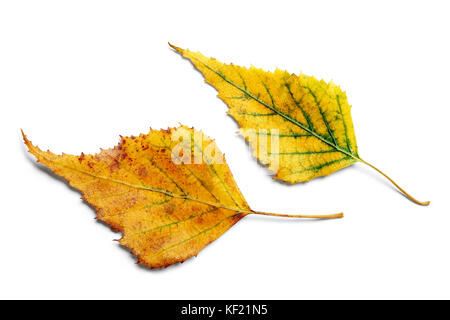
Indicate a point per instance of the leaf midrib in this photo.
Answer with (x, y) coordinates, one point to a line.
(168, 193)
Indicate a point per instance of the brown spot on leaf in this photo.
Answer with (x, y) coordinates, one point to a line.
(114, 166)
(142, 171)
(169, 208)
(81, 157)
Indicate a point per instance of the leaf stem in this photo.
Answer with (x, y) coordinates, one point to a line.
(307, 216)
(406, 194)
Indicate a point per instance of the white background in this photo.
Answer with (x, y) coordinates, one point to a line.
(76, 74)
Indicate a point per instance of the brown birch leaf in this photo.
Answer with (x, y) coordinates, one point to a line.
(170, 192)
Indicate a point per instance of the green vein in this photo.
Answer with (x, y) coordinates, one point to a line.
(204, 231)
(146, 206)
(305, 114)
(224, 185)
(166, 175)
(213, 170)
(284, 135)
(324, 118)
(174, 223)
(254, 114)
(238, 98)
(302, 153)
(320, 166)
(202, 183)
(240, 76)
(156, 203)
(345, 125)
(268, 92)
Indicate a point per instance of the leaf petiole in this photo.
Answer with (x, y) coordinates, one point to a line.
(307, 216)
(406, 194)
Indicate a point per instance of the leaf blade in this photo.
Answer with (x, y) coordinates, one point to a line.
(280, 93)
(116, 182)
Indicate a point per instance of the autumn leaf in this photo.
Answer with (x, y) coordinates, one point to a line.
(310, 119)
(168, 198)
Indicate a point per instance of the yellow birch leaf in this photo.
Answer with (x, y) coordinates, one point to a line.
(310, 119)
(168, 198)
